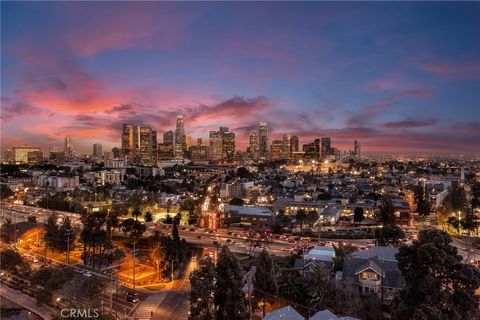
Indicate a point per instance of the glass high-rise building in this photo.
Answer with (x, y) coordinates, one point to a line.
(222, 145)
(97, 151)
(168, 137)
(293, 145)
(69, 153)
(180, 144)
(139, 144)
(263, 140)
(253, 145)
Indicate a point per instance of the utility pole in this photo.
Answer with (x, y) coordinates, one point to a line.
(116, 291)
(15, 227)
(134, 254)
(68, 234)
(381, 293)
(111, 291)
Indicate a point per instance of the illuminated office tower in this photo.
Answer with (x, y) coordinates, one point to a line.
(253, 145)
(97, 152)
(263, 140)
(168, 137)
(128, 144)
(293, 145)
(69, 153)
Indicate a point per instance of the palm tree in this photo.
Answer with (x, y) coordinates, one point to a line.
(136, 213)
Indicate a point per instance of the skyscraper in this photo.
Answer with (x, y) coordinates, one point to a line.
(263, 140)
(97, 151)
(312, 150)
(228, 146)
(215, 142)
(253, 145)
(128, 146)
(276, 150)
(293, 145)
(222, 145)
(139, 144)
(286, 141)
(326, 147)
(27, 154)
(356, 148)
(188, 141)
(179, 138)
(146, 145)
(168, 137)
(69, 153)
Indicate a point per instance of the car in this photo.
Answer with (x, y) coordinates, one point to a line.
(87, 274)
(34, 259)
(131, 296)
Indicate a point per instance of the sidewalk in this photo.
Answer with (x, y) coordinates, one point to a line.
(27, 302)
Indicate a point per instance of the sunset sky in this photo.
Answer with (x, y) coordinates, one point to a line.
(399, 77)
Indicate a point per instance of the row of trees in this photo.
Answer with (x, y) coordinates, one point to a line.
(217, 289)
(167, 250)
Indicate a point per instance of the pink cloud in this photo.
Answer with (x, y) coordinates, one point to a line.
(469, 69)
(124, 26)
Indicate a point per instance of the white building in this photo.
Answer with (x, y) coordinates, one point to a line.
(57, 183)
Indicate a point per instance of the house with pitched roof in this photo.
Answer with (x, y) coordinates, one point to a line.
(373, 271)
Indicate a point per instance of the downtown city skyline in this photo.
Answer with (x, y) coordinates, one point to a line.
(399, 77)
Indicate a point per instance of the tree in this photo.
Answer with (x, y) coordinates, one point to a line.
(341, 251)
(148, 216)
(157, 255)
(421, 200)
(300, 216)
(136, 213)
(202, 281)
(456, 199)
(438, 284)
(389, 234)
(236, 202)
(318, 287)
(291, 286)
(475, 193)
(11, 261)
(455, 223)
(94, 237)
(266, 273)
(471, 221)
(358, 214)
(243, 173)
(51, 234)
(133, 228)
(5, 191)
(311, 217)
(229, 298)
(387, 211)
